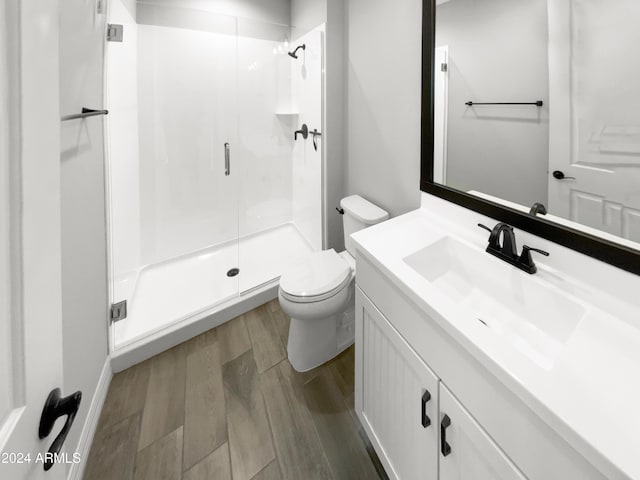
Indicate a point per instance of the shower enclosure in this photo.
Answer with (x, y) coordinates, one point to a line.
(210, 196)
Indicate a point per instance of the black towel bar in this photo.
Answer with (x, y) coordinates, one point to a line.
(538, 103)
(86, 112)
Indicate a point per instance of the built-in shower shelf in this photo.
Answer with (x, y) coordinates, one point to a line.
(286, 113)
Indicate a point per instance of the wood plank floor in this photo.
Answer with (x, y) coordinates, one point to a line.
(228, 406)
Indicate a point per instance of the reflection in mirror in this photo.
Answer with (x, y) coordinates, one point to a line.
(537, 101)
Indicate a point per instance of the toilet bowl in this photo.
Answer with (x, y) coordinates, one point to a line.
(318, 293)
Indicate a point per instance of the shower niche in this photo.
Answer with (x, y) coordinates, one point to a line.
(209, 195)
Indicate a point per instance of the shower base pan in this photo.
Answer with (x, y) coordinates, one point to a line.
(173, 301)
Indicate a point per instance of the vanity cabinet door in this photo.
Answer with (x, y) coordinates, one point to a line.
(397, 397)
(466, 451)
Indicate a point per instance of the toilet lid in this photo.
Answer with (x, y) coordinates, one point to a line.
(320, 273)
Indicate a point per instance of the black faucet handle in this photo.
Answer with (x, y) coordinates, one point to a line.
(526, 248)
(525, 258)
(485, 227)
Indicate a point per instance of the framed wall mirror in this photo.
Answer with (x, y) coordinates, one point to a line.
(531, 115)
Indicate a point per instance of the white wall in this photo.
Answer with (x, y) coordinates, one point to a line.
(269, 11)
(84, 248)
(6, 360)
(497, 53)
(384, 68)
(307, 15)
(129, 5)
(211, 20)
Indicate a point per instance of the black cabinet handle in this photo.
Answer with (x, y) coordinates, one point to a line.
(426, 421)
(54, 408)
(445, 448)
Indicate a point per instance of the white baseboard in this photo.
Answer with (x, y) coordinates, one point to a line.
(89, 428)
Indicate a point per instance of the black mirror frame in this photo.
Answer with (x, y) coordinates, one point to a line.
(601, 249)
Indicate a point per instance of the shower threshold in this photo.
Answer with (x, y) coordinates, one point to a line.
(169, 299)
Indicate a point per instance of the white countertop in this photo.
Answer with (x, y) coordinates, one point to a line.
(591, 393)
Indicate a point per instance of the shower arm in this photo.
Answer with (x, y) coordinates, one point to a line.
(293, 54)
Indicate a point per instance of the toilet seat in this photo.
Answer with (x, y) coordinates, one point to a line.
(320, 276)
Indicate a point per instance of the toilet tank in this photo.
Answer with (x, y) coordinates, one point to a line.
(358, 214)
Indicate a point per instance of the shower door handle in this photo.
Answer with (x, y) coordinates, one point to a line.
(227, 159)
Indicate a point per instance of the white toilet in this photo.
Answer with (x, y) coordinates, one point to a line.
(318, 293)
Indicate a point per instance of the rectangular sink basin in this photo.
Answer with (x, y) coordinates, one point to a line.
(534, 318)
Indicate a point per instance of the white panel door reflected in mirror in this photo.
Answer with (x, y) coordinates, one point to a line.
(578, 152)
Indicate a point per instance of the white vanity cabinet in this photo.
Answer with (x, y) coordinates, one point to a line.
(535, 373)
(417, 426)
(466, 451)
(399, 398)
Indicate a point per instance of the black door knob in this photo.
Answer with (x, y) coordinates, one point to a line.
(559, 175)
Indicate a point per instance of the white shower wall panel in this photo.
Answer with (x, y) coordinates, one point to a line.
(307, 161)
(262, 155)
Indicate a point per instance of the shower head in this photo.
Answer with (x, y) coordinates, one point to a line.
(293, 54)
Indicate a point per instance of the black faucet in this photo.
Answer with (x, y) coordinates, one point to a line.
(538, 208)
(508, 251)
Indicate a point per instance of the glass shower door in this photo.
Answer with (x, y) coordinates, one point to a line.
(172, 97)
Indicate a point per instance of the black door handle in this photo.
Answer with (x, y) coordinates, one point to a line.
(559, 175)
(55, 407)
(445, 448)
(426, 421)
